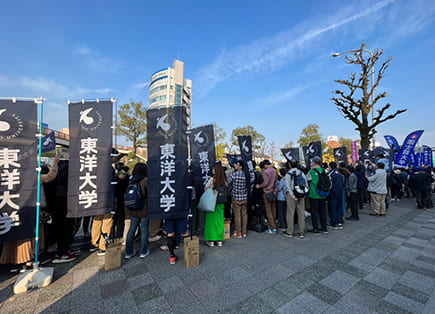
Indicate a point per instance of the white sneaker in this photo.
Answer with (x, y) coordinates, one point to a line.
(209, 243)
(128, 256)
(145, 255)
(155, 238)
(219, 243)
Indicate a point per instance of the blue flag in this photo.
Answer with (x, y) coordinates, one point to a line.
(407, 148)
(392, 142)
(48, 143)
(427, 156)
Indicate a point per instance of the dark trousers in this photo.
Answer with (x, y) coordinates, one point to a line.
(64, 227)
(335, 208)
(395, 191)
(282, 212)
(361, 197)
(318, 213)
(353, 204)
(423, 198)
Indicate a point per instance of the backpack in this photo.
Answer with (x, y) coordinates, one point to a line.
(133, 199)
(324, 184)
(300, 185)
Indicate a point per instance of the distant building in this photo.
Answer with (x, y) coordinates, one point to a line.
(333, 142)
(168, 87)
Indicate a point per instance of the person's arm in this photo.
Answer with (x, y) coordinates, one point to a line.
(266, 180)
(51, 175)
(209, 184)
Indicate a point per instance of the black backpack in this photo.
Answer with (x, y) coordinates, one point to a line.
(324, 184)
(301, 188)
(133, 199)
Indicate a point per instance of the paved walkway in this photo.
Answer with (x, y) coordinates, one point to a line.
(376, 265)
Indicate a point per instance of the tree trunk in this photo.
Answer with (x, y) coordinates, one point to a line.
(364, 132)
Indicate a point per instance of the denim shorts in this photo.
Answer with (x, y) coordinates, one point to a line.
(178, 225)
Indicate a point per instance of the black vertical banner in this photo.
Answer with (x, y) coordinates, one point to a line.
(340, 154)
(245, 145)
(18, 163)
(365, 154)
(168, 196)
(90, 172)
(203, 155)
(291, 153)
(312, 150)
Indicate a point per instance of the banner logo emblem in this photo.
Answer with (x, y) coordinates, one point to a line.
(338, 153)
(166, 125)
(10, 127)
(201, 139)
(90, 119)
(312, 149)
(244, 147)
(289, 155)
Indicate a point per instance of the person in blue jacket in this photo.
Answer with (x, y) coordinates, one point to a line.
(335, 197)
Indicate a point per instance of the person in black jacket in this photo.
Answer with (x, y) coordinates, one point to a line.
(420, 183)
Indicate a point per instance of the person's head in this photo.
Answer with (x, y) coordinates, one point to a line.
(114, 154)
(282, 171)
(219, 176)
(140, 169)
(358, 168)
(266, 163)
(333, 165)
(350, 169)
(316, 162)
(342, 164)
(293, 164)
(380, 165)
(239, 165)
(380, 156)
(261, 165)
(325, 165)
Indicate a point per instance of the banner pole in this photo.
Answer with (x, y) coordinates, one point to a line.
(38, 196)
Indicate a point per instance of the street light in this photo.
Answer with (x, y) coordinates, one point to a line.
(337, 54)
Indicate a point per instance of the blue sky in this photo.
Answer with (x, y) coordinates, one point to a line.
(261, 63)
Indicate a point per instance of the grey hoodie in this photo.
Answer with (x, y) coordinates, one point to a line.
(290, 182)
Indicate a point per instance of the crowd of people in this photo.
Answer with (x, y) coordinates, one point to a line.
(269, 200)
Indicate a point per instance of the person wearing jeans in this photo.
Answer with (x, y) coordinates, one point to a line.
(139, 175)
(270, 190)
(335, 197)
(239, 194)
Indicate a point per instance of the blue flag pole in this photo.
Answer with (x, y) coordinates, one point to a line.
(38, 196)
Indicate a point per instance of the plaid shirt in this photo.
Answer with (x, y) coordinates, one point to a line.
(238, 184)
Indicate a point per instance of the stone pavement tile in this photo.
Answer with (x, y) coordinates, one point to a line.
(382, 278)
(135, 270)
(146, 293)
(62, 305)
(405, 233)
(123, 303)
(170, 284)
(347, 305)
(385, 246)
(254, 284)
(405, 254)
(354, 271)
(235, 292)
(82, 276)
(411, 293)
(140, 280)
(404, 302)
(21, 303)
(371, 289)
(268, 277)
(107, 277)
(157, 305)
(183, 301)
(57, 290)
(413, 246)
(426, 259)
(238, 274)
(343, 256)
(417, 281)
(292, 288)
(423, 265)
(282, 271)
(299, 262)
(324, 293)
(251, 305)
(387, 308)
(422, 236)
(114, 288)
(272, 298)
(216, 302)
(304, 303)
(392, 267)
(364, 298)
(340, 281)
(189, 276)
(87, 299)
(202, 288)
(394, 240)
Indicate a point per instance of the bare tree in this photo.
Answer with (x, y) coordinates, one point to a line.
(355, 104)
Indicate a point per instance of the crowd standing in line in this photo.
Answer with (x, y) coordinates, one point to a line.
(277, 202)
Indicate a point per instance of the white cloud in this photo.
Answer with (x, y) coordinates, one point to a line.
(83, 50)
(97, 62)
(272, 53)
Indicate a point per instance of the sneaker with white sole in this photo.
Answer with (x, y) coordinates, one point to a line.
(101, 252)
(271, 231)
(64, 258)
(155, 238)
(145, 255)
(128, 256)
(219, 243)
(210, 243)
